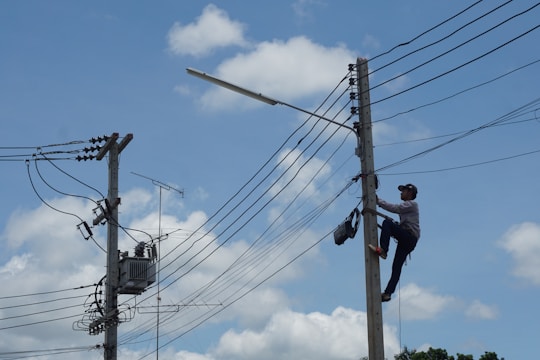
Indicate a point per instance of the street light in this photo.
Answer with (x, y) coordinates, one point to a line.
(257, 96)
(364, 151)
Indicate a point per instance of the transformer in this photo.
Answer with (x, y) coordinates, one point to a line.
(136, 274)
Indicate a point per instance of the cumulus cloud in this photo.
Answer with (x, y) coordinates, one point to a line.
(522, 243)
(291, 335)
(478, 310)
(280, 68)
(56, 256)
(213, 29)
(300, 175)
(418, 303)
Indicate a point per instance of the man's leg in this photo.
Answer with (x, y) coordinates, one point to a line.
(406, 244)
(387, 230)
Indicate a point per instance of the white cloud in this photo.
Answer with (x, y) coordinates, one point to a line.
(213, 29)
(478, 310)
(292, 335)
(522, 242)
(16, 264)
(300, 176)
(302, 8)
(419, 303)
(370, 41)
(284, 70)
(399, 83)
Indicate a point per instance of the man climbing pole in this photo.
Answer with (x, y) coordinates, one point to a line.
(406, 233)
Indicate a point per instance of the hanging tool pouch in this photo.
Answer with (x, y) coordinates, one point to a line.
(347, 229)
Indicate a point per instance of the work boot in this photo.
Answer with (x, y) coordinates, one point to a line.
(385, 297)
(378, 250)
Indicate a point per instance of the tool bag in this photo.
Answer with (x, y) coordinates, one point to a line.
(346, 229)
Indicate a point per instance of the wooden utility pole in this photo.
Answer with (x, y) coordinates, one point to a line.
(111, 289)
(369, 186)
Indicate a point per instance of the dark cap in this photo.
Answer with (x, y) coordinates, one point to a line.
(408, 187)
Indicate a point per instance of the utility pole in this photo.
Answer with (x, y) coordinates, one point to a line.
(111, 289)
(369, 186)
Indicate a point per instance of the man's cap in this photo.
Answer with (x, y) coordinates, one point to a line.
(409, 187)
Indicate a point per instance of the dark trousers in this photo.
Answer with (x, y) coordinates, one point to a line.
(406, 242)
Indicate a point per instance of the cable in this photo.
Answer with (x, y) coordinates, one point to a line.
(23, 354)
(459, 93)
(203, 259)
(43, 200)
(457, 67)
(239, 297)
(456, 133)
(41, 302)
(455, 47)
(441, 39)
(40, 322)
(58, 191)
(468, 133)
(466, 166)
(428, 31)
(74, 178)
(45, 292)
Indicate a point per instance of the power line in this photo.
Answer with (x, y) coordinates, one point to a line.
(459, 92)
(46, 292)
(466, 166)
(427, 31)
(468, 133)
(437, 41)
(457, 67)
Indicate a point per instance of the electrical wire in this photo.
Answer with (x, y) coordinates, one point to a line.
(45, 292)
(460, 92)
(468, 133)
(457, 67)
(457, 132)
(55, 189)
(439, 41)
(427, 31)
(233, 234)
(24, 354)
(455, 47)
(41, 302)
(235, 300)
(466, 166)
(74, 178)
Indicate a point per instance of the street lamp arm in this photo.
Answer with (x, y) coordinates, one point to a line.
(258, 96)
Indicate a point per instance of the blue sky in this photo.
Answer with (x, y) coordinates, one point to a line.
(249, 265)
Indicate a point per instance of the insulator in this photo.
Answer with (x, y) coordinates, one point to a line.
(85, 157)
(352, 81)
(353, 95)
(139, 249)
(154, 252)
(92, 148)
(351, 67)
(88, 229)
(354, 110)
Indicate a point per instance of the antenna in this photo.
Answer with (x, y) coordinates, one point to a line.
(161, 186)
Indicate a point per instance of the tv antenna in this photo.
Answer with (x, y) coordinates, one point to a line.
(162, 186)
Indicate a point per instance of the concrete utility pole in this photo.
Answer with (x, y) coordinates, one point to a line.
(369, 184)
(111, 289)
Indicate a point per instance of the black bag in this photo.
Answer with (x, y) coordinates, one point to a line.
(346, 229)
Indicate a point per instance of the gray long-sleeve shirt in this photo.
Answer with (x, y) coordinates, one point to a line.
(409, 216)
